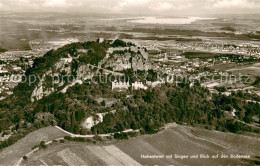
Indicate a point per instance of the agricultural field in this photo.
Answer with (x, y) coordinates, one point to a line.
(10, 155)
(199, 55)
(253, 70)
(173, 140)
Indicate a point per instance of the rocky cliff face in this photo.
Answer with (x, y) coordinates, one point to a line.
(129, 58)
(41, 91)
(60, 77)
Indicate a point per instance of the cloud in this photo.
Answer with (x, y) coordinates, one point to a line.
(40, 4)
(59, 3)
(161, 6)
(135, 6)
(164, 6)
(27, 3)
(121, 5)
(225, 4)
(133, 2)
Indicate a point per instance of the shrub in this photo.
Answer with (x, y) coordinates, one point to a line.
(42, 145)
(98, 138)
(109, 137)
(120, 136)
(68, 138)
(79, 139)
(132, 134)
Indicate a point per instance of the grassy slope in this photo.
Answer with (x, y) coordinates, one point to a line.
(180, 140)
(12, 154)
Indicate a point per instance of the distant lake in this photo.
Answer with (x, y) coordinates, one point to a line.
(167, 20)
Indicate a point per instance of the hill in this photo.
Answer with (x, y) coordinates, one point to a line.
(53, 99)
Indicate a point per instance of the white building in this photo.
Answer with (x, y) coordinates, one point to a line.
(138, 85)
(100, 40)
(155, 83)
(120, 85)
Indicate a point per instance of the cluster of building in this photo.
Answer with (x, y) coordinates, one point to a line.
(125, 85)
(13, 65)
(10, 76)
(16, 55)
(7, 84)
(223, 47)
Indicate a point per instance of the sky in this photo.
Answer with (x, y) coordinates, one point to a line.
(154, 7)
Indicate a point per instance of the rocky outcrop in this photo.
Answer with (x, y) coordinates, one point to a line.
(136, 60)
(60, 77)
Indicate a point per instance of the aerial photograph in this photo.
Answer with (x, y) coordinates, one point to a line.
(129, 82)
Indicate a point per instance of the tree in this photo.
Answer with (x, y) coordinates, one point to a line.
(103, 103)
(43, 145)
